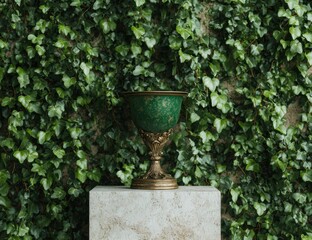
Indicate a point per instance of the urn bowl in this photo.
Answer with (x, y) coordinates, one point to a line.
(155, 111)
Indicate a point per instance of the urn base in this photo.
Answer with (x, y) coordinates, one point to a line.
(154, 184)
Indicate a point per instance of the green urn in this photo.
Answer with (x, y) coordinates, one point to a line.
(155, 113)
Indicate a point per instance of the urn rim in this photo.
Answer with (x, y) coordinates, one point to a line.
(155, 93)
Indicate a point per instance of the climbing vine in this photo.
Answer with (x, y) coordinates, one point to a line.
(245, 126)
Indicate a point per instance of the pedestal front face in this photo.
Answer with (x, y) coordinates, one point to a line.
(185, 213)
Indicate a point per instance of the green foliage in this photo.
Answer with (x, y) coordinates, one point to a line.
(245, 127)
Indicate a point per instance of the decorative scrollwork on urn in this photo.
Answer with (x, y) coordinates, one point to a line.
(156, 143)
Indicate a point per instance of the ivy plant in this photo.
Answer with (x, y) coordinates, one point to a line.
(245, 126)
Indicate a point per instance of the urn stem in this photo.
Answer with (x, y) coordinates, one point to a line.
(156, 143)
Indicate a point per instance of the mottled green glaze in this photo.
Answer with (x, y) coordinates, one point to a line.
(155, 111)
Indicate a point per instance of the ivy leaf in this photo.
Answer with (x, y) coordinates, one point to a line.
(4, 175)
(308, 36)
(86, 67)
(221, 168)
(75, 3)
(220, 124)
(68, 81)
(46, 183)
(81, 175)
(82, 163)
(185, 33)
(284, 43)
(300, 10)
(139, 70)
(64, 29)
(81, 154)
(25, 100)
(74, 191)
(235, 192)
(306, 175)
(31, 52)
(184, 56)
(252, 165)
(204, 52)
(58, 152)
(95, 175)
(42, 25)
(20, 155)
(75, 132)
(256, 49)
(174, 42)
(40, 50)
(4, 189)
(260, 208)
(5, 202)
(150, 42)
(203, 136)
(284, 13)
(186, 180)
(139, 3)
(211, 83)
(292, 3)
(296, 46)
(44, 8)
(15, 18)
(206, 136)
(288, 207)
(3, 44)
(138, 31)
(41, 137)
(61, 43)
(198, 172)
(194, 117)
(16, 120)
(124, 176)
(9, 143)
(38, 169)
(135, 49)
(159, 67)
(295, 32)
(219, 56)
(293, 20)
(97, 4)
(58, 193)
(107, 26)
(309, 57)
(122, 50)
(220, 101)
(18, 2)
(32, 156)
(56, 110)
(214, 99)
(215, 67)
(23, 77)
(300, 197)
(7, 101)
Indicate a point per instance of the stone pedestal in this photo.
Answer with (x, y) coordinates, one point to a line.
(122, 213)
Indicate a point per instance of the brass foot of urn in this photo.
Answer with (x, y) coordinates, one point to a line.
(155, 113)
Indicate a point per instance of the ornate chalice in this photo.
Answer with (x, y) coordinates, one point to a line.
(155, 113)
